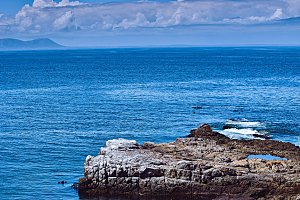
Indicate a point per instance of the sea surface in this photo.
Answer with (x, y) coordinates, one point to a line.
(57, 107)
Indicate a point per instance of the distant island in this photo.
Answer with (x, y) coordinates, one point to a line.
(15, 44)
(292, 20)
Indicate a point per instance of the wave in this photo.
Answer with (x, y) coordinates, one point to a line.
(233, 135)
(246, 133)
(244, 123)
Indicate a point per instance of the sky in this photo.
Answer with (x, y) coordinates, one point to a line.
(118, 23)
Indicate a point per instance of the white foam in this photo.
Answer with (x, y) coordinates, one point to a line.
(245, 131)
(238, 136)
(244, 123)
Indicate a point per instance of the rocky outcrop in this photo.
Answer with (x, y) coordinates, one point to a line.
(205, 165)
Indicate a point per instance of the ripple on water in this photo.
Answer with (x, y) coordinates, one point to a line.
(56, 107)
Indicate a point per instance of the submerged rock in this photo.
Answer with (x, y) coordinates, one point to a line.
(262, 136)
(228, 127)
(197, 107)
(206, 165)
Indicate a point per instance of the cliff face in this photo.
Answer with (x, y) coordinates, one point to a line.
(206, 165)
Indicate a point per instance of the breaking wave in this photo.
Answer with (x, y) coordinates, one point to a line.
(244, 123)
(244, 129)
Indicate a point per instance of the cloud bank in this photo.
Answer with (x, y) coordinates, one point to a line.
(47, 16)
(51, 3)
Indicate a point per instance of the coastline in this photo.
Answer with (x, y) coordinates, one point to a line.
(205, 165)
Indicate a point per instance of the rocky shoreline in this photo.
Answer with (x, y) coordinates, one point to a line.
(205, 165)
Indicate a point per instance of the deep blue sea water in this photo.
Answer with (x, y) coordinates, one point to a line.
(57, 107)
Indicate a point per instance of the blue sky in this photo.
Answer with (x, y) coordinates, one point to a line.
(153, 23)
(12, 6)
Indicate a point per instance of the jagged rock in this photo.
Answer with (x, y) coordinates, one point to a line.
(206, 165)
(197, 107)
(62, 182)
(204, 129)
(227, 127)
(262, 136)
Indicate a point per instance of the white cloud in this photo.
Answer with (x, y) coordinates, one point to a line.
(2, 22)
(293, 7)
(5, 21)
(65, 22)
(277, 15)
(51, 3)
(49, 16)
(43, 3)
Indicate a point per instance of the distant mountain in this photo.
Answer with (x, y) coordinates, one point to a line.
(14, 44)
(292, 20)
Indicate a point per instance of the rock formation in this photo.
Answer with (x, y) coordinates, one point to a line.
(205, 165)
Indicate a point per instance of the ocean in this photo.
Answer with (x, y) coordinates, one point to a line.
(57, 107)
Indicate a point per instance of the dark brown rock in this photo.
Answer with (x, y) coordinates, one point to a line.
(204, 129)
(227, 127)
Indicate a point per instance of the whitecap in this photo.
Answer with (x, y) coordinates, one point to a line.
(245, 131)
(237, 136)
(244, 123)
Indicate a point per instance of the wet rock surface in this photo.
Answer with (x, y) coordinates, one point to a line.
(205, 165)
